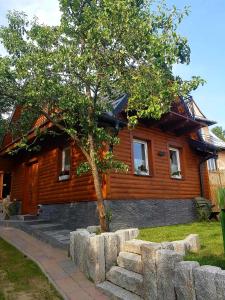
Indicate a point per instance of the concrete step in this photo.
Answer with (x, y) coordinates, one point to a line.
(134, 246)
(27, 217)
(130, 261)
(47, 226)
(115, 292)
(128, 280)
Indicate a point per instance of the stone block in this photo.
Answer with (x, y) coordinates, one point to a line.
(128, 280)
(95, 259)
(134, 246)
(167, 245)
(220, 285)
(123, 235)
(148, 254)
(115, 292)
(81, 242)
(93, 229)
(130, 261)
(193, 243)
(71, 254)
(133, 233)
(180, 247)
(166, 261)
(205, 285)
(184, 280)
(111, 249)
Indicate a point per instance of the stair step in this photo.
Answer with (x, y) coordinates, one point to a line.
(27, 217)
(115, 292)
(130, 261)
(128, 280)
(46, 226)
(134, 246)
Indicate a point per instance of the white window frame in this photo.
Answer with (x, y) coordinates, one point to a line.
(146, 156)
(177, 151)
(64, 159)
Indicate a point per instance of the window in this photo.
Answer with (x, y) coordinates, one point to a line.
(212, 164)
(140, 151)
(65, 164)
(175, 168)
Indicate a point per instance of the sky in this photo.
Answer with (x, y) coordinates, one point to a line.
(204, 28)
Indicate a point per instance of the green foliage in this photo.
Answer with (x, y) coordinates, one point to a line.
(219, 132)
(221, 198)
(71, 73)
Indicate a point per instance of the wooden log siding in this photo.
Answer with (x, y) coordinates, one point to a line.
(159, 184)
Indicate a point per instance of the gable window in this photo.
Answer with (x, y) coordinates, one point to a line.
(212, 164)
(140, 151)
(65, 164)
(175, 166)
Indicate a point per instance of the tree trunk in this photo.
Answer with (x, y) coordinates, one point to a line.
(98, 187)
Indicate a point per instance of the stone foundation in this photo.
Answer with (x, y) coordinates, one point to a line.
(125, 213)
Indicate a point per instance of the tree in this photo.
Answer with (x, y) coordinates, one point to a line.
(71, 73)
(219, 132)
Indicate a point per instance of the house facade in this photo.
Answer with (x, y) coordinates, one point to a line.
(167, 169)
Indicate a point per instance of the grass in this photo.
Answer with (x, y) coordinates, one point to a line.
(21, 278)
(210, 234)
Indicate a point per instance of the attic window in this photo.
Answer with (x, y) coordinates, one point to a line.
(175, 166)
(212, 164)
(140, 150)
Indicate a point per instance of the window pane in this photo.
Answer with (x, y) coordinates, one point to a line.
(174, 163)
(140, 159)
(66, 159)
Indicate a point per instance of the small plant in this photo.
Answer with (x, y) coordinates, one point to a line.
(108, 216)
(221, 204)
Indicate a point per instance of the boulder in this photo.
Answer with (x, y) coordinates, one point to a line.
(184, 280)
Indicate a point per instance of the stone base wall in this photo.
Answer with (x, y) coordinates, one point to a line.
(125, 213)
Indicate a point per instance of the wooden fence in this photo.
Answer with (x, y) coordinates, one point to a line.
(216, 180)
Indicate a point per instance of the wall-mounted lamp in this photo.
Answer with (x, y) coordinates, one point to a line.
(161, 153)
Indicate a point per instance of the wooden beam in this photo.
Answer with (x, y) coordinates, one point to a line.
(187, 129)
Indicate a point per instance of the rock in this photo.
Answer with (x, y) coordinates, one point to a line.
(134, 246)
(133, 233)
(166, 261)
(193, 243)
(130, 261)
(148, 254)
(116, 293)
(71, 254)
(95, 259)
(123, 235)
(205, 285)
(184, 280)
(81, 241)
(180, 247)
(128, 280)
(167, 245)
(220, 285)
(111, 249)
(93, 229)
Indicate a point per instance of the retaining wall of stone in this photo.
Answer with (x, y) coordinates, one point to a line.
(125, 213)
(166, 276)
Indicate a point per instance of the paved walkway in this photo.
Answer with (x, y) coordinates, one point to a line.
(59, 269)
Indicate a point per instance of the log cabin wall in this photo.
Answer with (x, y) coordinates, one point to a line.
(159, 184)
(50, 189)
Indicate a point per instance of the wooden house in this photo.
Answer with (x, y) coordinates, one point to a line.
(167, 170)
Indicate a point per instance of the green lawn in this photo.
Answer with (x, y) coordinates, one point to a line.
(211, 252)
(20, 278)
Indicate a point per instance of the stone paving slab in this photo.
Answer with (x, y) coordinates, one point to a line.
(59, 269)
